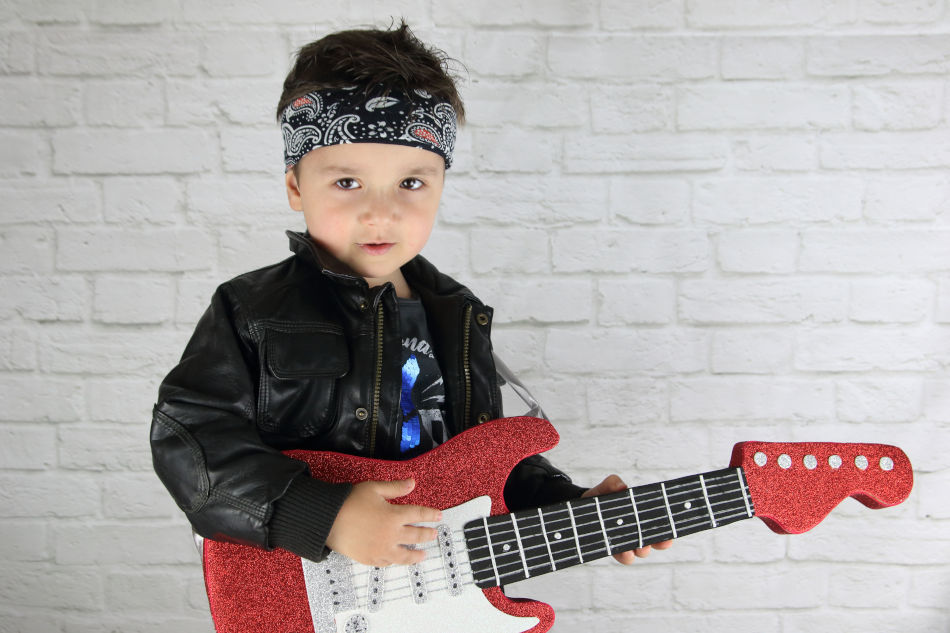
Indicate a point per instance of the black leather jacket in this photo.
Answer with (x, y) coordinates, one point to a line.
(298, 356)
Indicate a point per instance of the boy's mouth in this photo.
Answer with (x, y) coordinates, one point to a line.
(376, 248)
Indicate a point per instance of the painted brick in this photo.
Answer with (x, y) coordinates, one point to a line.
(758, 251)
(124, 103)
(531, 200)
(27, 448)
(653, 589)
(749, 13)
(928, 587)
(116, 249)
(251, 150)
(766, 301)
(908, 198)
(755, 57)
(875, 251)
(748, 587)
(633, 301)
(523, 251)
(779, 199)
(120, 399)
(18, 52)
(40, 398)
(762, 107)
(936, 401)
(240, 251)
(53, 12)
(48, 494)
(751, 351)
(501, 13)
(650, 201)
(883, 400)
(115, 151)
(747, 542)
(562, 400)
(159, 593)
(17, 349)
(54, 201)
(192, 299)
(772, 153)
(519, 347)
(656, 457)
(943, 301)
(46, 298)
(848, 539)
(136, 496)
(550, 589)
(913, 12)
(235, 53)
(865, 55)
(137, 201)
(106, 448)
(650, 251)
(871, 348)
(222, 101)
(625, 350)
(626, 402)
(898, 106)
(491, 105)
(629, 58)
(734, 399)
(890, 301)
(142, 54)
(448, 249)
(151, 623)
(23, 541)
(616, 15)
(137, 299)
(539, 300)
(22, 154)
(658, 152)
(513, 150)
(932, 490)
(292, 12)
(26, 102)
(639, 108)
(505, 54)
(26, 250)
(885, 150)
(26, 585)
(132, 13)
(97, 543)
(115, 353)
(240, 199)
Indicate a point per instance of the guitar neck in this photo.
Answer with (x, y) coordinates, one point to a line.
(510, 547)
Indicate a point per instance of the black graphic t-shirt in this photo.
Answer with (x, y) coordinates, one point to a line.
(422, 400)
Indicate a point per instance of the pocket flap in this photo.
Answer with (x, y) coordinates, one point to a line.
(300, 354)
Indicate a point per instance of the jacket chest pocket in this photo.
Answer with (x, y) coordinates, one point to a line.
(299, 378)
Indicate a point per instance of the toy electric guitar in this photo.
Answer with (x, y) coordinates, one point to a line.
(481, 547)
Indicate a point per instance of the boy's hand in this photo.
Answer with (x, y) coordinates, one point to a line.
(613, 483)
(372, 531)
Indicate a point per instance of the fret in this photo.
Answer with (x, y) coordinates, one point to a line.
(603, 529)
(524, 563)
(712, 518)
(491, 554)
(636, 517)
(560, 535)
(577, 539)
(745, 497)
(547, 543)
(669, 512)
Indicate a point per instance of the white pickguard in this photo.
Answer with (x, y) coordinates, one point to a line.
(405, 606)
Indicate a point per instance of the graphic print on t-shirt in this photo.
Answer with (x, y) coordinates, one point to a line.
(422, 396)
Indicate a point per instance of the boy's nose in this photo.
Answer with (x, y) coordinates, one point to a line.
(378, 210)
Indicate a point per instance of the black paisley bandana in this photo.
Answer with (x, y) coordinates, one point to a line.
(331, 117)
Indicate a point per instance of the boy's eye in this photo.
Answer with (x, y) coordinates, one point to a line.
(412, 183)
(347, 183)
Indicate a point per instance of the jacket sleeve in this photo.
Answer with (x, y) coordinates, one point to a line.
(207, 452)
(535, 481)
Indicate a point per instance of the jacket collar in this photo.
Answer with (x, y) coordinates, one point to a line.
(419, 272)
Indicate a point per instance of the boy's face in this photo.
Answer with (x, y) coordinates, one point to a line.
(370, 205)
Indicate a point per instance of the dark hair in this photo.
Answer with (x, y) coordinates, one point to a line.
(367, 58)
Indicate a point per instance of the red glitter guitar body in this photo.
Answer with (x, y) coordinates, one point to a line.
(791, 486)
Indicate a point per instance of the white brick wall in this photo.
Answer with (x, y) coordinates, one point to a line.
(700, 222)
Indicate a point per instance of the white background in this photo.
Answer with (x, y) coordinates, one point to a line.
(699, 222)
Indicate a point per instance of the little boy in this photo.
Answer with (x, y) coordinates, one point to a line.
(354, 344)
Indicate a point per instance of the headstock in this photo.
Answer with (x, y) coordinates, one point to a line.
(794, 485)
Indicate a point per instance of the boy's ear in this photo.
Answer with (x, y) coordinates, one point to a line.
(293, 191)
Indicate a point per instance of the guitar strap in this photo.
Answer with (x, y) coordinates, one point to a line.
(506, 376)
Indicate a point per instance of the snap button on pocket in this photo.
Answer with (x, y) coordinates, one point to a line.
(483, 418)
(362, 414)
(481, 318)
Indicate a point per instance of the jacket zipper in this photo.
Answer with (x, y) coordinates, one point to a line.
(377, 381)
(466, 369)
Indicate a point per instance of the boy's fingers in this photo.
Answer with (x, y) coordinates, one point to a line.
(394, 489)
(412, 534)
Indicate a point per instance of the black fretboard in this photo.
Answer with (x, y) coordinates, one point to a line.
(511, 547)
